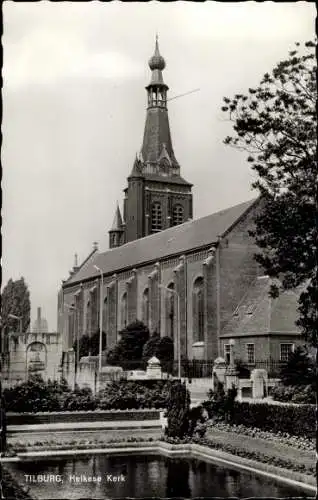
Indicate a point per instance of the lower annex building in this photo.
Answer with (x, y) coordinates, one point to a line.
(193, 278)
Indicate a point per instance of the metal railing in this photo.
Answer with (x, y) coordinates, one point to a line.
(204, 368)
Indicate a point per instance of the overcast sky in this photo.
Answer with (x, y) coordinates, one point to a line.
(74, 108)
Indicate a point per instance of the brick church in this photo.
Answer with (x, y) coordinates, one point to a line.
(196, 279)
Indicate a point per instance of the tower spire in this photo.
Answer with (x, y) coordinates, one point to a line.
(116, 231)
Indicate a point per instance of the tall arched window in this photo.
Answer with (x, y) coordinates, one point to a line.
(177, 215)
(170, 311)
(145, 307)
(156, 217)
(198, 310)
(123, 311)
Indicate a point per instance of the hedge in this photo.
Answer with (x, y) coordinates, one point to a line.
(94, 416)
(295, 420)
(37, 396)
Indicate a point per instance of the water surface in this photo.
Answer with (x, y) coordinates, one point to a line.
(143, 476)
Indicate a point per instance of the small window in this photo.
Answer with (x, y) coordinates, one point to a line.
(156, 217)
(286, 351)
(177, 215)
(250, 351)
(227, 353)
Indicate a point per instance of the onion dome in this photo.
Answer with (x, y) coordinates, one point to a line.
(157, 61)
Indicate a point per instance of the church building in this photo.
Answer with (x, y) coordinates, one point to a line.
(195, 281)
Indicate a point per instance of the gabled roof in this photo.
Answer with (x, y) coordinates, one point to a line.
(84, 263)
(259, 314)
(180, 239)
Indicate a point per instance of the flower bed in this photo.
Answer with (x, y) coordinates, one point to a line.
(281, 437)
(74, 444)
(252, 455)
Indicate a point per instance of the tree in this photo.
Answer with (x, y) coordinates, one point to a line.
(94, 343)
(90, 345)
(151, 347)
(15, 300)
(162, 348)
(300, 369)
(128, 351)
(276, 124)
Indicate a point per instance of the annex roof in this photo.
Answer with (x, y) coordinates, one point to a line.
(259, 314)
(173, 241)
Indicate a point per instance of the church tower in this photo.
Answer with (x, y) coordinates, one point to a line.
(157, 197)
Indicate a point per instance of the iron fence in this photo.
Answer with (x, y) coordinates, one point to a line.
(273, 367)
(204, 368)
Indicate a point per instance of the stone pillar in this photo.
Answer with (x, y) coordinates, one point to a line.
(154, 368)
(210, 305)
(131, 290)
(219, 370)
(231, 374)
(154, 299)
(181, 289)
(112, 312)
(259, 379)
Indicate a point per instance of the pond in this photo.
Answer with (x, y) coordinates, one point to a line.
(140, 476)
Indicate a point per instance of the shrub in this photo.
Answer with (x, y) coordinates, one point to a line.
(178, 408)
(127, 353)
(295, 394)
(300, 369)
(33, 396)
(134, 394)
(215, 405)
(229, 404)
(242, 369)
(162, 348)
(89, 345)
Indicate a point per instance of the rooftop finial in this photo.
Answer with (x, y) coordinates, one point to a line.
(75, 260)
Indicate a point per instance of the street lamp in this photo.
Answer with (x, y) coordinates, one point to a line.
(100, 318)
(171, 290)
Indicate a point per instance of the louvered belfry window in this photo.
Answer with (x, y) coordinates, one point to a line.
(156, 217)
(177, 215)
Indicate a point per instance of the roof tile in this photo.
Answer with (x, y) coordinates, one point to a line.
(179, 239)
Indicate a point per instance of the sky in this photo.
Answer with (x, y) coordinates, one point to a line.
(74, 107)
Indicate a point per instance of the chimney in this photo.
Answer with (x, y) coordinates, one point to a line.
(39, 316)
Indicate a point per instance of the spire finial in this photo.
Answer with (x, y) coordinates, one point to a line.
(157, 61)
(75, 260)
